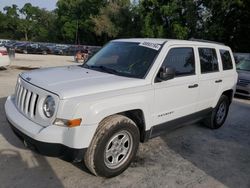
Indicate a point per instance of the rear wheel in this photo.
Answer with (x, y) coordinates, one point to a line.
(113, 147)
(219, 113)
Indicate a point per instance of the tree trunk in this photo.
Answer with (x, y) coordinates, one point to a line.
(26, 36)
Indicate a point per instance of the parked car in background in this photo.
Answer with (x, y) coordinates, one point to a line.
(93, 50)
(26, 47)
(10, 44)
(4, 58)
(243, 68)
(20, 47)
(60, 50)
(32, 48)
(3, 41)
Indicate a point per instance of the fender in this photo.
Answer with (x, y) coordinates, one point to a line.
(95, 112)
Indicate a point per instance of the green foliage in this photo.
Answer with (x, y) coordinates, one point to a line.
(97, 21)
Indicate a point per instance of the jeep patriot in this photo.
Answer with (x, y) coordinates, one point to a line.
(130, 91)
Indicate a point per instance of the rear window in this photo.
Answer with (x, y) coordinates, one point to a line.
(208, 60)
(226, 60)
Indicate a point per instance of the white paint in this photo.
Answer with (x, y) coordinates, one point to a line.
(93, 95)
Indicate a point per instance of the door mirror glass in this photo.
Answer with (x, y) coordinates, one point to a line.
(166, 73)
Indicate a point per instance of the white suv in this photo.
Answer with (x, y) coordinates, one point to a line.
(130, 91)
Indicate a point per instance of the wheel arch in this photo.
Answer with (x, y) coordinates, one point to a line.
(137, 116)
(229, 94)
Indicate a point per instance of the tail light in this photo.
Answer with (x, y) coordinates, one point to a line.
(3, 52)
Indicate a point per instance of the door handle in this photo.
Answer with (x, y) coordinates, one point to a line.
(193, 86)
(218, 81)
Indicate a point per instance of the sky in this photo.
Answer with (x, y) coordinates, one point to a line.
(47, 4)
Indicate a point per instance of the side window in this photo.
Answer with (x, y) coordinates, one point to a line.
(208, 60)
(226, 60)
(182, 60)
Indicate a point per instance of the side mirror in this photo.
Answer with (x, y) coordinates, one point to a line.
(166, 73)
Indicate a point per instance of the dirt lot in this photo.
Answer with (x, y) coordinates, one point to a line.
(192, 156)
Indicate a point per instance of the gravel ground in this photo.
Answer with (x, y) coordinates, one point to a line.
(191, 156)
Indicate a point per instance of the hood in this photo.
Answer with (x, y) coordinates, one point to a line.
(73, 81)
(243, 74)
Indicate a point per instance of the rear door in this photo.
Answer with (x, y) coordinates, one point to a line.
(210, 79)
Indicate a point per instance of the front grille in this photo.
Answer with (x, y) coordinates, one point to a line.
(243, 82)
(26, 101)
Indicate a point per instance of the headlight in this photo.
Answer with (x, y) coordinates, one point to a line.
(49, 107)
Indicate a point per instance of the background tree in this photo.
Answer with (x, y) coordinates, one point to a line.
(10, 20)
(98, 21)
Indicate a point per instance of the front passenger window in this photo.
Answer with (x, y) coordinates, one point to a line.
(182, 60)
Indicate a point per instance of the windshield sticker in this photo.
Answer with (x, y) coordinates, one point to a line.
(151, 45)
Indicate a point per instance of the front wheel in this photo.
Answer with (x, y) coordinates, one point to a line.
(219, 113)
(113, 147)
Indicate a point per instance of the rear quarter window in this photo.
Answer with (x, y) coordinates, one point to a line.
(226, 60)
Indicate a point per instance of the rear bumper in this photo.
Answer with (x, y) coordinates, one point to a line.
(243, 90)
(50, 149)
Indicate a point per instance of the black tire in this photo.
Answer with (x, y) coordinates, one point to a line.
(44, 53)
(25, 51)
(216, 120)
(111, 126)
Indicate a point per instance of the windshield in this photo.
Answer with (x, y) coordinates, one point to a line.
(244, 65)
(124, 58)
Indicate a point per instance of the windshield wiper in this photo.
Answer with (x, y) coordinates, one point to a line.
(103, 68)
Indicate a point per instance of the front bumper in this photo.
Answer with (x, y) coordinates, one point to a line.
(51, 140)
(50, 149)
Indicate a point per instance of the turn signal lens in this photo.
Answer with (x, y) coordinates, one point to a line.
(74, 122)
(68, 123)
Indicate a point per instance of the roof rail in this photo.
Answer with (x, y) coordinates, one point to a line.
(208, 41)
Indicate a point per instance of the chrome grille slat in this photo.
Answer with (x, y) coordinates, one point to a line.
(27, 102)
(19, 97)
(17, 94)
(16, 89)
(23, 99)
(32, 105)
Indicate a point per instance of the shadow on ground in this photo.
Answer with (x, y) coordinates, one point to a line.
(19, 169)
(38, 172)
(223, 154)
(3, 68)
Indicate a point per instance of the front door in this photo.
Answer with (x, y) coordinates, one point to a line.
(177, 97)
